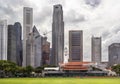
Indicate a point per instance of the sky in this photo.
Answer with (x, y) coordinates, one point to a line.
(99, 18)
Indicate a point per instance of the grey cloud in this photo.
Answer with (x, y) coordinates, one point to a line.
(57, 1)
(12, 9)
(116, 29)
(73, 17)
(43, 15)
(93, 3)
(105, 34)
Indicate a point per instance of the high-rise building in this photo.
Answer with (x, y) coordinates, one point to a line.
(27, 28)
(45, 51)
(3, 39)
(57, 35)
(34, 49)
(12, 44)
(19, 57)
(96, 49)
(75, 45)
(37, 48)
(15, 43)
(114, 54)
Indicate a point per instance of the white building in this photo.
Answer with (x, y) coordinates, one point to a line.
(27, 28)
(96, 49)
(3, 39)
(37, 48)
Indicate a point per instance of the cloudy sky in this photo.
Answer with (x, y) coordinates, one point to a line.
(94, 17)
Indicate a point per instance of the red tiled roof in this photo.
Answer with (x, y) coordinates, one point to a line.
(75, 66)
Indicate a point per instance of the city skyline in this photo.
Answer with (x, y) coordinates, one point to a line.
(94, 17)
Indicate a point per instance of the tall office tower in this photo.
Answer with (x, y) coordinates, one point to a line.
(114, 54)
(75, 45)
(96, 49)
(15, 43)
(12, 44)
(45, 51)
(18, 29)
(57, 35)
(3, 39)
(37, 48)
(27, 28)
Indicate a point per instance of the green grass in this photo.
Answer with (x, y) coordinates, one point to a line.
(60, 81)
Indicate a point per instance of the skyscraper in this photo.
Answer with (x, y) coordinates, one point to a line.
(12, 44)
(45, 51)
(3, 39)
(27, 28)
(15, 43)
(37, 48)
(57, 35)
(114, 54)
(75, 45)
(96, 49)
(18, 30)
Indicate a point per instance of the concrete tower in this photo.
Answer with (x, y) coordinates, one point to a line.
(96, 49)
(3, 39)
(57, 35)
(15, 43)
(12, 44)
(27, 28)
(19, 56)
(75, 45)
(114, 54)
(37, 48)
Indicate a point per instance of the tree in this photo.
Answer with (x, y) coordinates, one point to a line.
(7, 67)
(116, 68)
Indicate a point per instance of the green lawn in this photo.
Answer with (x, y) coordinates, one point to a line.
(60, 81)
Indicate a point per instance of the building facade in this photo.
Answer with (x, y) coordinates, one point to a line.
(27, 28)
(3, 39)
(96, 49)
(57, 35)
(75, 45)
(45, 51)
(15, 43)
(18, 30)
(37, 47)
(12, 47)
(114, 54)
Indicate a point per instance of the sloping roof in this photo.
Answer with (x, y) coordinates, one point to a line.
(76, 66)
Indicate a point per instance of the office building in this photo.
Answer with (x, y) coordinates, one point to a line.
(96, 49)
(12, 47)
(27, 29)
(15, 43)
(45, 51)
(114, 54)
(3, 39)
(18, 30)
(57, 35)
(37, 48)
(75, 45)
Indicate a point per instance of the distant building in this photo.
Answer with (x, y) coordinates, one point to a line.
(45, 51)
(12, 47)
(57, 35)
(96, 49)
(37, 47)
(75, 45)
(15, 43)
(27, 29)
(3, 39)
(19, 48)
(114, 54)
(34, 49)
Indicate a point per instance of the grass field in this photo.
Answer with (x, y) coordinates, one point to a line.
(60, 81)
